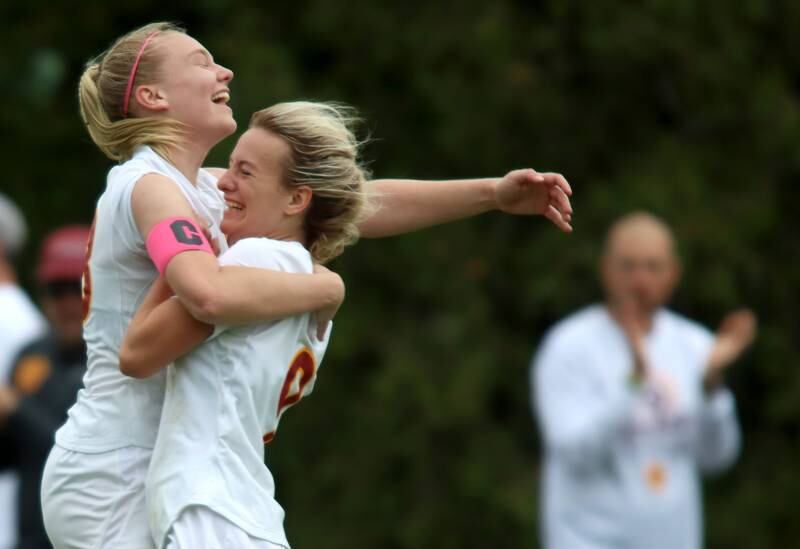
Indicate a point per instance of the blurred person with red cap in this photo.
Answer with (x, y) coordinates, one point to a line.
(45, 377)
(20, 322)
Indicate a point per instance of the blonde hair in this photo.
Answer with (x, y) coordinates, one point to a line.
(325, 157)
(101, 94)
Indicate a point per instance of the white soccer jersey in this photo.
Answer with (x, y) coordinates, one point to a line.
(113, 410)
(223, 401)
(622, 464)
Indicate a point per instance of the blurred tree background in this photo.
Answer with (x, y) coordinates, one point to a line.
(419, 432)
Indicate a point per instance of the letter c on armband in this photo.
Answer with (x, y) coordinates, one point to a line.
(186, 232)
(173, 236)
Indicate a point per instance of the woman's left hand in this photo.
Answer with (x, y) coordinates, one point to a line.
(528, 192)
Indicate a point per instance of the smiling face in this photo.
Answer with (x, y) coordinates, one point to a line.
(257, 202)
(192, 88)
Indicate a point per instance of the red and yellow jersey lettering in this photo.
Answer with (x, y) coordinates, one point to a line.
(301, 371)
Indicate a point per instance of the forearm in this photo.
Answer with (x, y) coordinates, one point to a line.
(247, 295)
(403, 205)
(158, 336)
(712, 381)
(243, 295)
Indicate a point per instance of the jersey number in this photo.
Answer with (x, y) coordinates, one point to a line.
(301, 372)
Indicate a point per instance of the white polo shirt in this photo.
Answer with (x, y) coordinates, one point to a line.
(622, 463)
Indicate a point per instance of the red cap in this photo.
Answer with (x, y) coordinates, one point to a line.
(63, 254)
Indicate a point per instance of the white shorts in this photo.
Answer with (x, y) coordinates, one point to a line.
(96, 501)
(199, 527)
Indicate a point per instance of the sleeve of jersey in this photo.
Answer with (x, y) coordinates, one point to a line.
(579, 424)
(259, 253)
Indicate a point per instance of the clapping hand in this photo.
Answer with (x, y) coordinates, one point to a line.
(630, 317)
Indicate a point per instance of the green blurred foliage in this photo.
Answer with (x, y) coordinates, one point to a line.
(419, 432)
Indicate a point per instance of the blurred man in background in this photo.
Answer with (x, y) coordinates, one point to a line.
(20, 322)
(631, 405)
(45, 377)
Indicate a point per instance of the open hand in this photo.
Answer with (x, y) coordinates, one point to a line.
(528, 192)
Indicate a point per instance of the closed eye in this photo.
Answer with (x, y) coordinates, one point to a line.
(202, 58)
(241, 167)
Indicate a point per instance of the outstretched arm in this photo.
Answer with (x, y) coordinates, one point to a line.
(405, 205)
(402, 205)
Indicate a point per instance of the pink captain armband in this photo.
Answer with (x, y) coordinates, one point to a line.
(173, 236)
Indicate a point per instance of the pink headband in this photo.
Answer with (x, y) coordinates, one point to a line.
(132, 77)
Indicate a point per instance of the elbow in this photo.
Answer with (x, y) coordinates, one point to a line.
(715, 468)
(129, 363)
(206, 308)
(204, 304)
(715, 465)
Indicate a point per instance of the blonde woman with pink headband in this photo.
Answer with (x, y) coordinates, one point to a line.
(156, 103)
